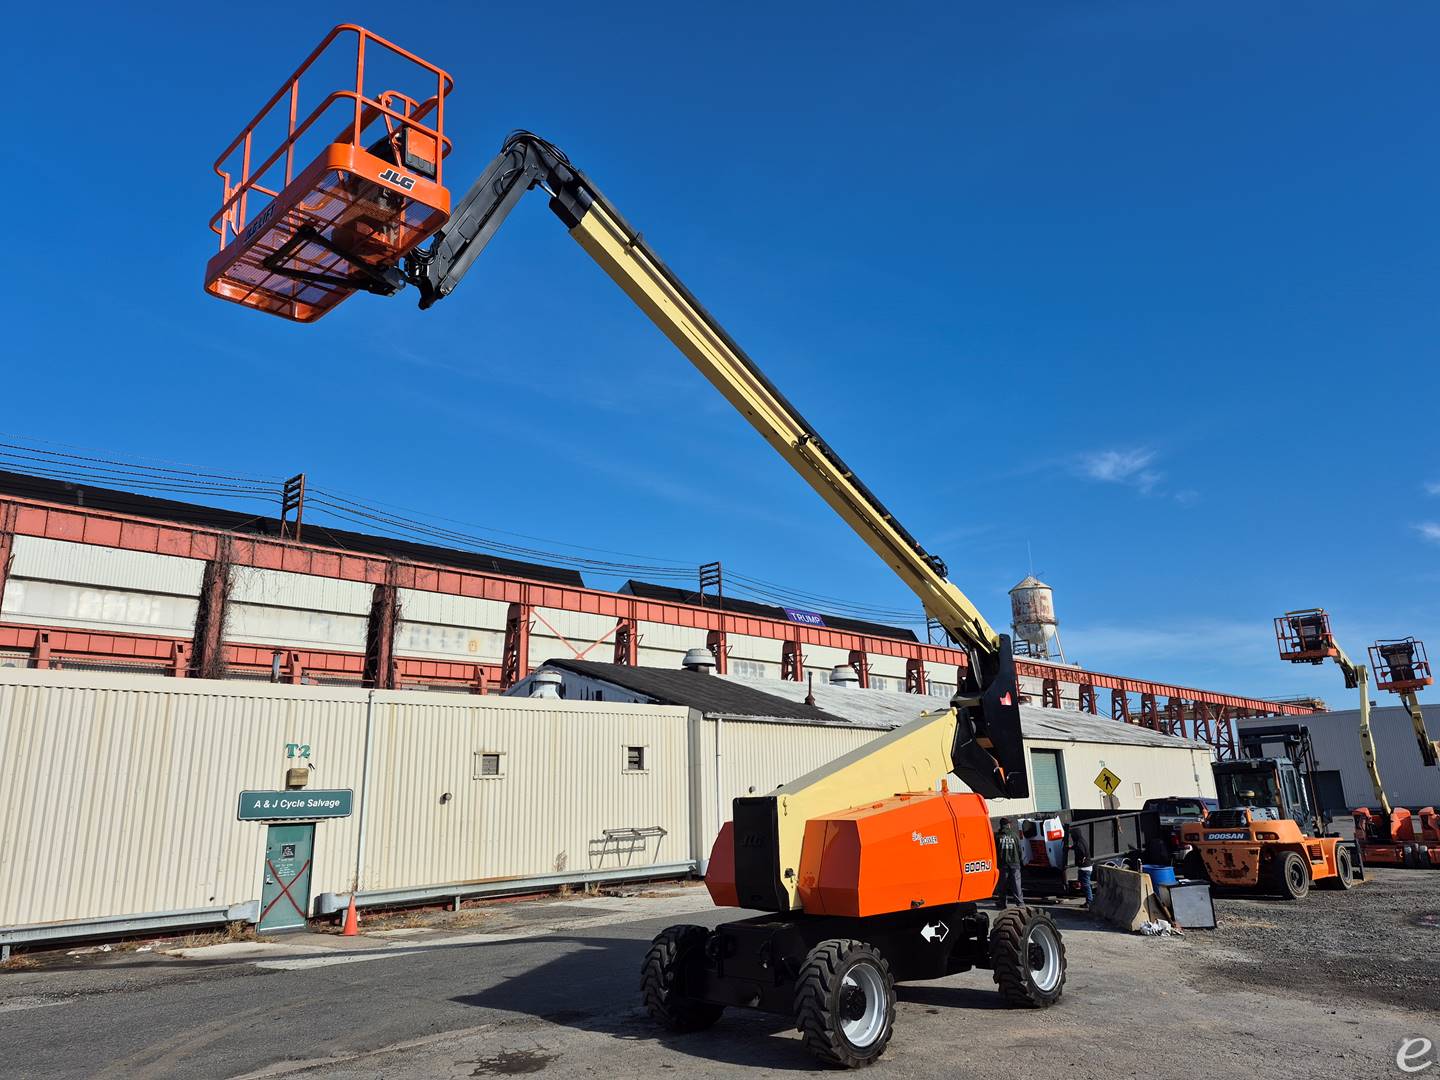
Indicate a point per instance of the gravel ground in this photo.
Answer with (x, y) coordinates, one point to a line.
(1375, 942)
(1330, 988)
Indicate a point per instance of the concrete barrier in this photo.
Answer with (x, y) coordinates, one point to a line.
(1124, 898)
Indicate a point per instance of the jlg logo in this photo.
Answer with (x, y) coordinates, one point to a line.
(261, 220)
(399, 179)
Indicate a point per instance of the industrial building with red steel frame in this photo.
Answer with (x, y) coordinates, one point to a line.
(99, 578)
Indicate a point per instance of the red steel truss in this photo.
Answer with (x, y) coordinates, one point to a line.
(1200, 714)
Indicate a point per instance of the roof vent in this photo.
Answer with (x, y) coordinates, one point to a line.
(844, 677)
(546, 683)
(701, 660)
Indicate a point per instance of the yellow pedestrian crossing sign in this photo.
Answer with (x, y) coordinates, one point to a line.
(1107, 781)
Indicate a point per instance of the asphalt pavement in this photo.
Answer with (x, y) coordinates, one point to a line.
(550, 988)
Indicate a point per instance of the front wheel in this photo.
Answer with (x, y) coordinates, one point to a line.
(845, 1003)
(1027, 956)
(662, 981)
(1291, 875)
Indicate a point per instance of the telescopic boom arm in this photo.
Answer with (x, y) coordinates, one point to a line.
(987, 753)
(1310, 636)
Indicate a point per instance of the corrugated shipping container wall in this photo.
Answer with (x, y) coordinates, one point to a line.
(121, 791)
(756, 757)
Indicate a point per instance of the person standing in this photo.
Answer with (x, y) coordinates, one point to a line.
(1008, 855)
(1084, 864)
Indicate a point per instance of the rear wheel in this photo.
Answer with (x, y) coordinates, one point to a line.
(845, 1003)
(661, 981)
(1290, 875)
(1193, 866)
(1027, 956)
(1344, 869)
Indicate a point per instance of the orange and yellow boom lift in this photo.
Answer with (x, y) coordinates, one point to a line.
(1388, 835)
(1395, 836)
(868, 870)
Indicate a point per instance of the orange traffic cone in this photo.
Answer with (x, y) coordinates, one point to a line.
(352, 921)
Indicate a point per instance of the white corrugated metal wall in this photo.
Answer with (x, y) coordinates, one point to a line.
(122, 790)
(756, 757)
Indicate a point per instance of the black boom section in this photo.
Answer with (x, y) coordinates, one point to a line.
(757, 854)
(989, 750)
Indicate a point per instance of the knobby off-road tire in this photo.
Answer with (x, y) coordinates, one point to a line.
(845, 1003)
(1344, 870)
(659, 974)
(1027, 957)
(1290, 875)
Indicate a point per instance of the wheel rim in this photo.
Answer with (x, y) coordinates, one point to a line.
(1043, 953)
(862, 1004)
(1297, 875)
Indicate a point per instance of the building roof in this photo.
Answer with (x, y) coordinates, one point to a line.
(712, 695)
(773, 699)
(890, 708)
(647, 591)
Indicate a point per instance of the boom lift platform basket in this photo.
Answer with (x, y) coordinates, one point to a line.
(1400, 665)
(1305, 637)
(296, 244)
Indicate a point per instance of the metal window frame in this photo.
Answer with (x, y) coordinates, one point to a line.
(478, 769)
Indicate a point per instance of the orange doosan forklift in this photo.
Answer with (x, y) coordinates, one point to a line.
(868, 870)
(1258, 840)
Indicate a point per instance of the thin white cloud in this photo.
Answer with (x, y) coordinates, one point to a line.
(1120, 466)
(1131, 467)
(1429, 530)
(1433, 488)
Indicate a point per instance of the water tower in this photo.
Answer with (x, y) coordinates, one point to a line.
(1032, 615)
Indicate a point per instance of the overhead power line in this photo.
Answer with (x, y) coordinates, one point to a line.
(87, 465)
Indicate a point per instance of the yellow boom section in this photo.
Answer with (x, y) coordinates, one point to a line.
(611, 244)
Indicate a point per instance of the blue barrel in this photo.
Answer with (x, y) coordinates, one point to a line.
(1160, 875)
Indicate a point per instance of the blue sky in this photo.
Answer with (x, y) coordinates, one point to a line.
(1150, 289)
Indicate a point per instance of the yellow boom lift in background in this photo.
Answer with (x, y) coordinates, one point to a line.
(1393, 836)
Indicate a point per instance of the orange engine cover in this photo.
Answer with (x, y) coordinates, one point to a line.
(908, 851)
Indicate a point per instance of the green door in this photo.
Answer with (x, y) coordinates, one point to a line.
(1049, 777)
(285, 896)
